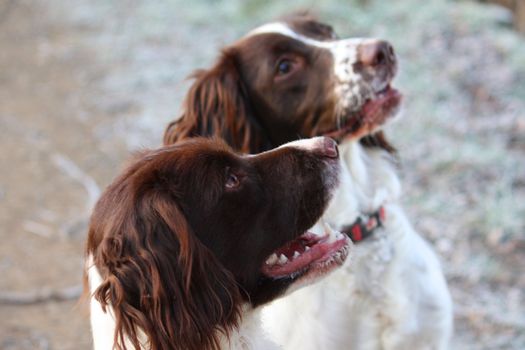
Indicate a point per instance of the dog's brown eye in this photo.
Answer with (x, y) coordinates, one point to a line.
(232, 181)
(288, 66)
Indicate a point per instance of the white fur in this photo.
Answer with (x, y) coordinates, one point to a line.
(249, 335)
(102, 323)
(392, 293)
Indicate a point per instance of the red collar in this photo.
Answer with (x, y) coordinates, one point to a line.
(365, 225)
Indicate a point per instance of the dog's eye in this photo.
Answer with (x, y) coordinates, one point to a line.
(287, 66)
(232, 181)
(284, 66)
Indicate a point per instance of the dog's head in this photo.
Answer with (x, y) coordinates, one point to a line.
(291, 79)
(191, 233)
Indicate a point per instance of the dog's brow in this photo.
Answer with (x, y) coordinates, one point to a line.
(283, 29)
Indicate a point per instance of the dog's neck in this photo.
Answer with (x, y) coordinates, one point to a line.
(249, 335)
(368, 180)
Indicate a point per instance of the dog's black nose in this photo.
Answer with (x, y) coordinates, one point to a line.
(376, 54)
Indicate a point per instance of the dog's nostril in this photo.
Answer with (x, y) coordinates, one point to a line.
(380, 59)
(376, 53)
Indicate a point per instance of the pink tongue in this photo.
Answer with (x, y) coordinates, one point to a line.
(317, 252)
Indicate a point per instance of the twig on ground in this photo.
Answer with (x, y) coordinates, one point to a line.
(71, 169)
(40, 296)
(38, 229)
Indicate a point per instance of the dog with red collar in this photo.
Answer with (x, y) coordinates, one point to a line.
(295, 78)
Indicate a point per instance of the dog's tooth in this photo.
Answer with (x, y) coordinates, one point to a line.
(331, 238)
(272, 260)
(307, 248)
(296, 254)
(326, 227)
(282, 259)
(332, 234)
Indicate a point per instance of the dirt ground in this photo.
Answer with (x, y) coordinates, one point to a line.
(83, 83)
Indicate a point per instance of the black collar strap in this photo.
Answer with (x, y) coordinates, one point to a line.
(365, 225)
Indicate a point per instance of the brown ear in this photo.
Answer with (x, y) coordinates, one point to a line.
(161, 281)
(378, 140)
(217, 104)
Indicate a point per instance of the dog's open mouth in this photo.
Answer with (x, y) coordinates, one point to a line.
(372, 114)
(377, 110)
(320, 249)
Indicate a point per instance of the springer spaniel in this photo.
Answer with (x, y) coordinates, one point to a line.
(295, 78)
(191, 239)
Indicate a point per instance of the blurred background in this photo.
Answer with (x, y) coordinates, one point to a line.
(83, 83)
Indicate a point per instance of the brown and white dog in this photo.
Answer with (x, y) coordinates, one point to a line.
(191, 238)
(293, 79)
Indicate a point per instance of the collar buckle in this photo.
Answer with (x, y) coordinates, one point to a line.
(365, 225)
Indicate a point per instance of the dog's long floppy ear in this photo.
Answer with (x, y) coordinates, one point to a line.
(218, 104)
(378, 140)
(160, 282)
